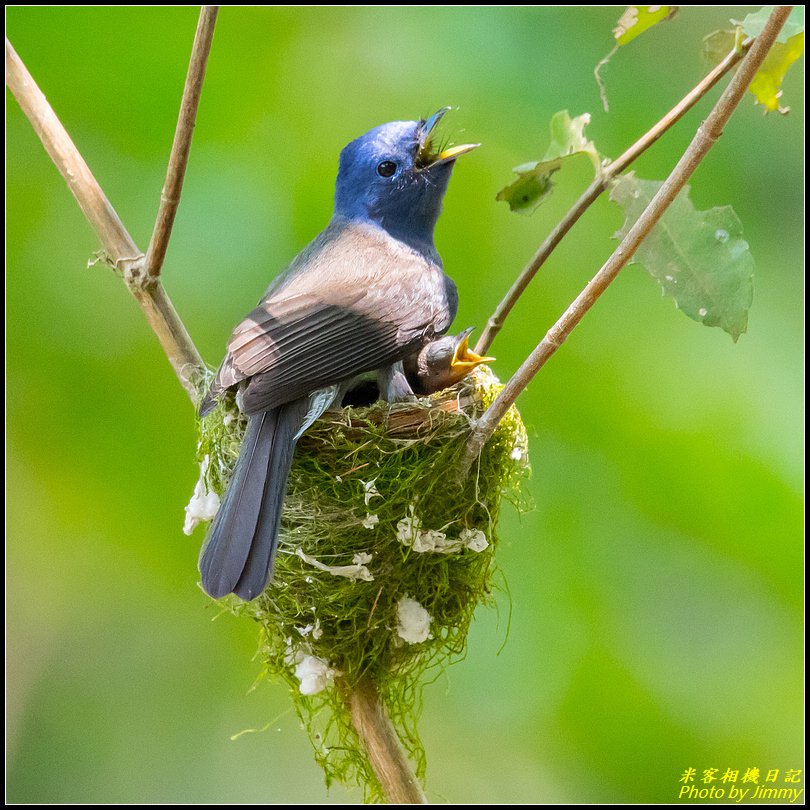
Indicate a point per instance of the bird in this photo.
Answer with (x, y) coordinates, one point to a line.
(442, 363)
(368, 293)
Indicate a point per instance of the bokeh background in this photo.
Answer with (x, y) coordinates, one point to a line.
(656, 587)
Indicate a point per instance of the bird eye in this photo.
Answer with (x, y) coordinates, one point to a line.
(386, 168)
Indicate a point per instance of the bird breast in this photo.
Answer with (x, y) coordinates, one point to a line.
(400, 284)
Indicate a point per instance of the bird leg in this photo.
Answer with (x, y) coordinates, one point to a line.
(393, 383)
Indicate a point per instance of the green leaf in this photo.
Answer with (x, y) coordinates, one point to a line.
(719, 44)
(568, 138)
(767, 84)
(754, 23)
(635, 21)
(638, 19)
(534, 182)
(531, 188)
(789, 46)
(698, 257)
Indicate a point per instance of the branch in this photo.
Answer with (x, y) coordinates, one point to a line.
(121, 251)
(705, 137)
(178, 159)
(385, 752)
(595, 189)
(141, 275)
(96, 207)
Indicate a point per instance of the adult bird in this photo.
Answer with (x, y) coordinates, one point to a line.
(366, 293)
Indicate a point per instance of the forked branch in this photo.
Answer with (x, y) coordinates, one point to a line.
(121, 251)
(705, 137)
(595, 189)
(141, 275)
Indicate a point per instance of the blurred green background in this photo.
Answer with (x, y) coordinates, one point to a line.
(656, 588)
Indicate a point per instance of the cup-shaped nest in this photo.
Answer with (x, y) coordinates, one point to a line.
(384, 554)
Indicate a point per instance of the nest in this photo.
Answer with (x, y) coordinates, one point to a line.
(383, 556)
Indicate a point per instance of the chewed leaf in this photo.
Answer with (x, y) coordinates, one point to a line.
(767, 84)
(698, 257)
(534, 182)
(568, 138)
(635, 21)
(719, 44)
(531, 188)
(638, 19)
(789, 46)
(754, 23)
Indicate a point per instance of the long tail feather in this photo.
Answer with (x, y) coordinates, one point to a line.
(238, 553)
(259, 563)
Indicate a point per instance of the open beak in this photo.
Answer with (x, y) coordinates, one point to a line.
(464, 357)
(426, 157)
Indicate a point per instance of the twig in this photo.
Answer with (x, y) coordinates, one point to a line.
(96, 207)
(385, 752)
(121, 251)
(595, 189)
(705, 137)
(178, 159)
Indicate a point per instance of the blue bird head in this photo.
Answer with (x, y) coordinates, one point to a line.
(395, 176)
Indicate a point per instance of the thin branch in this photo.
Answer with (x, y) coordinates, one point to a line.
(595, 189)
(178, 159)
(121, 250)
(385, 752)
(705, 137)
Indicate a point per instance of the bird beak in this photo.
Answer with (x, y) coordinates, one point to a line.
(464, 357)
(426, 157)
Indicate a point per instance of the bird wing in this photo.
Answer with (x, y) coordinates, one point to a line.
(350, 303)
(311, 345)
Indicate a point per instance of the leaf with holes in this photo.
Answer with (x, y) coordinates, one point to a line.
(767, 84)
(634, 21)
(789, 46)
(534, 182)
(638, 19)
(698, 257)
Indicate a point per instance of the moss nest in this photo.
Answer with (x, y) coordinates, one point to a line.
(383, 556)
